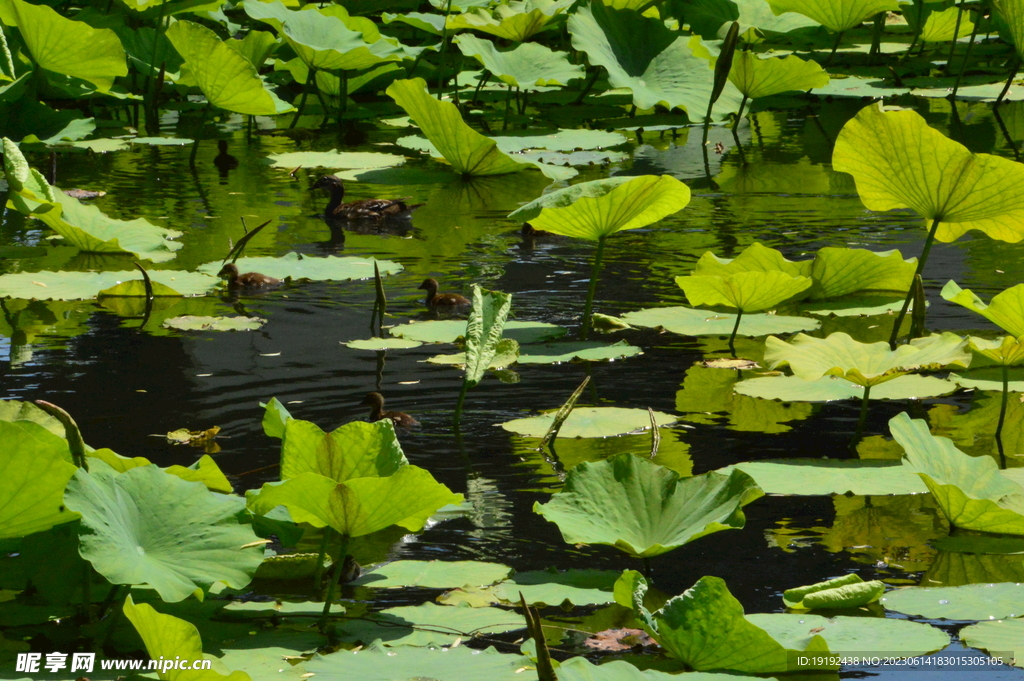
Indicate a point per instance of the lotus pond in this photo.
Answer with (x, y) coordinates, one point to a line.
(750, 394)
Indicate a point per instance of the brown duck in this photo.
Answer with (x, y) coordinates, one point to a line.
(366, 209)
(247, 280)
(442, 300)
(375, 401)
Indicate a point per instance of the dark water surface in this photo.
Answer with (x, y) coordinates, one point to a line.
(122, 386)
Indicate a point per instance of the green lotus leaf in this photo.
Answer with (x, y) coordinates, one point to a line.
(428, 624)
(866, 364)
(705, 628)
(967, 602)
(377, 663)
(517, 20)
(329, 43)
(34, 469)
(526, 66)
(561, 198)
(745, 291)
(275, 418)
(756, 77)
(830, 388)
(840, 596)
(898, 161)
(687, 321)
(835, 15)
(939, 26)
(335, 159)
(754, 258)
(1006, 309)
(591, 351)
(831, 476)
(382, 344)
(86, 285)
(357, 506)
(484, 331)
(16, 410)
(645, 509)
(431, 23)
(590, 422)
(354, 450)
(997, 638)
(205, 470)
(631, 205)
(450, 330)
(898, 637)
(256, 46)
(276, 14)
(552, 588)
(298, 266)
(468, 152)
(710, 18)
(71, 48)
(1005, 351)
(843, 271)
(148, 527)
(168, 638)
(198, 323)
(1012, 13)
(434, 574)
(506, 354)
(228, 80)
(971, 491)
(989, 379)
(657, 64)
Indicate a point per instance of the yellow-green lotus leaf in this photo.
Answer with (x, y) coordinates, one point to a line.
(516, 21)
(746, 291)
(756, 77)
(527, 66)
(835, 15)
(1012, 12)
(865, 364)
(1006, 309)
(941, 27)
(898, 161)
(1005, 351)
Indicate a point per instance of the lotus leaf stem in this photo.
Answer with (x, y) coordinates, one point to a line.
(199, 136)
(910, 294)
(877, 29)
(563, 413)
(302, 100)
(595, 74)
(444, 48)
(952, 43)
(592, 289)
(458, 405)
(71, 432)
(863, 417)
(732, 337)
(1006, 134)
(321, 554)
(1002, 416)
(835, 48)
(739, 115)
(967, 55)
(545, 669)
(337, 568)
(479, 84)
(1009, 81)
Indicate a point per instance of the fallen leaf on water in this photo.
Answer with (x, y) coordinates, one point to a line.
(616, 640)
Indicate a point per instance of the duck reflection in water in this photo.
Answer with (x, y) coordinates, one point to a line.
(224, 161)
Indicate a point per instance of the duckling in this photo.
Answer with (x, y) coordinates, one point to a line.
(529, 232)
(366, 209)
(442, 300)
(247, 280)
(376, 403)
(224, 161)
(350, 570)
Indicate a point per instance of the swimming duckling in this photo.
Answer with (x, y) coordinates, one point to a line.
(375, 401)
(366, 209)
(247, 280)
(442, 300)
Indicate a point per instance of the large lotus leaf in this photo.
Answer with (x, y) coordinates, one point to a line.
(941, 25)
(276, 14)
(835, 15)
(710, 18)
(756, 77)
(968, 602)
(16, 410)
(997, 638)
(468, 152)
(745, 291)
(517, 20)
(359, 506)
(705, 628)
(865, 364)
(428, 625)
(658, 65)
(1006, 309)
(326, 42)
(754, 258)
(854, 633)
(431, 23)
(34, 470)
(560, 198)
(228, 79)
(72, 48)
(971, 491)
(1012, 13)
(335, 159)
(450, 330)
(831, 476)
(637, 203)
(169, 638)
(591, 351)
(149, 527)
(843, 271)
(463, 663)
(298, 266)
(204, 470)
(549, 587)
(256, 46)
(1006, 351)
(590, 422)
(354, 450)
(898, 161)
(526, 66)
(484, 330)
(829, 388)
(687, 321)
(645, 509)
(434, 574)
(86, 285)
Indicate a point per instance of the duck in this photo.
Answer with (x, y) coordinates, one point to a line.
(366, 209)
(529, 232)
(247, 280)
(442, 300)
(375, 401)
(350, 570)
(224, 161)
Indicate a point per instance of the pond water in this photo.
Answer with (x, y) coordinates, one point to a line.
(124, 386)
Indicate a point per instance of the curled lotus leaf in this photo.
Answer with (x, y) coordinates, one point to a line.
(756, 77)
(1005, 310)
(746, 291)
(835, 15)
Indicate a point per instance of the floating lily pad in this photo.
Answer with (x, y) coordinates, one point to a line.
(854, 306)
(434, 574)
(854, 633)
(335, 159)
(428, 625)
(382, 344)
(554, 353)
(986, 379)
(194, 323)
(690, 322)
(997, 638)
(590, 422)
(377, 663)
(968, 602)
(85, 285)
(450, 330)
(162, 141)
(829, 388)
(296, 266)
(832, 476)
